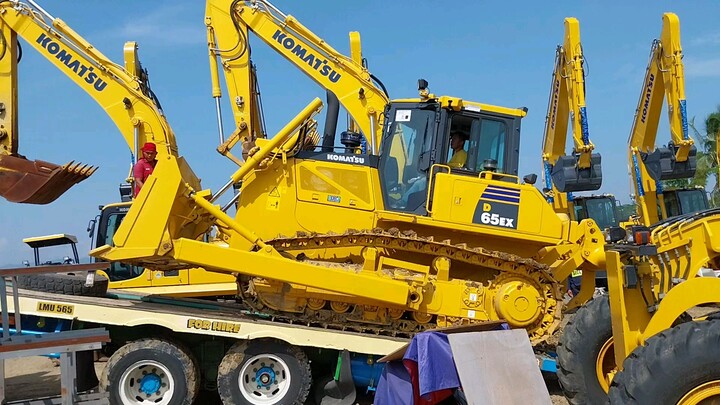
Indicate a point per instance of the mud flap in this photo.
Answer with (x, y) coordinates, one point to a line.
(341, 389)
(36, 181)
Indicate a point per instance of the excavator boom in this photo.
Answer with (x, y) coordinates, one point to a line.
(579, 171)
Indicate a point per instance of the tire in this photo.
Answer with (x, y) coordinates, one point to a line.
(584, 348)
(151, 371)
(280, 370)
(670, 366)
(64, 283)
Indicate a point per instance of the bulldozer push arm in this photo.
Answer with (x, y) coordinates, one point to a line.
(228, 24)
(664, 79)
(581, 170)
(123, 92)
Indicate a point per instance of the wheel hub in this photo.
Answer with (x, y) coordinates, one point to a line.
(265, 377)
(708, 393)
(150, 383)
(146, 382)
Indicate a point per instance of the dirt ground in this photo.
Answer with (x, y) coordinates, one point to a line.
(37, 377)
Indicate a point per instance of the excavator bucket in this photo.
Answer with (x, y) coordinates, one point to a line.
(568, 177)
(38, 182)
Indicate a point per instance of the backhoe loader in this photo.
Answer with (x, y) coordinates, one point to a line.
(656, 273)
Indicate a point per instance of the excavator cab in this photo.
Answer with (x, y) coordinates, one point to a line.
(418, 138)
(601, 208)
(685, 201)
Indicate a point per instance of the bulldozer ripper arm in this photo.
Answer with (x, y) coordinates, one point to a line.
(36, 181)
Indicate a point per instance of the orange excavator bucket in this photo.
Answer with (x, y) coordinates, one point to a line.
(38, 182)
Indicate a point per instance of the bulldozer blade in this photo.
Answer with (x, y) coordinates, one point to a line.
(36, 181)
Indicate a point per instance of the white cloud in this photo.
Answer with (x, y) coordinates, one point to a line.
(712, 38)
(173, 25)
(695, 67)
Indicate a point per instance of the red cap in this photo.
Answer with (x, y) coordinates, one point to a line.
(149, 147)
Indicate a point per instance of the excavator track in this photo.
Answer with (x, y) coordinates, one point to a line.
(508, 269)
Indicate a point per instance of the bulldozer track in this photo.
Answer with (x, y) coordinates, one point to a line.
(391, 240)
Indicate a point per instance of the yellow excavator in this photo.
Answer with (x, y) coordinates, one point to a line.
(656, 274)
(581, 170)
(125, 94)
(664, 80)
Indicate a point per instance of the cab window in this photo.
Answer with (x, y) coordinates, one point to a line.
(485, 139)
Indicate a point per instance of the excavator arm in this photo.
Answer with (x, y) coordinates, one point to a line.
(123, 92)
(581, 170)
(230, 21)
(664, 79)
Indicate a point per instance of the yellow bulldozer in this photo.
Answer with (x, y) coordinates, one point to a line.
(384, 232)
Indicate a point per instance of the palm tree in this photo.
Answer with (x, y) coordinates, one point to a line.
(709, 144)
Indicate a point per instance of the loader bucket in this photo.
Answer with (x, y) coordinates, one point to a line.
(38, 182)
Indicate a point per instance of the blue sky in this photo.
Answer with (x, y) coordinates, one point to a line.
(478, 50)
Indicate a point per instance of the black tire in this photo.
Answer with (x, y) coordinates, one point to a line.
(285, 367)
(670, 365)
(586, 337)
(126, 384)
(64, 283)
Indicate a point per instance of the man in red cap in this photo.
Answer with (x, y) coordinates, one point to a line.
(145, 166)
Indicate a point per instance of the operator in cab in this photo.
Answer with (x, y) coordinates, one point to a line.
(457, 144)
(144, 167)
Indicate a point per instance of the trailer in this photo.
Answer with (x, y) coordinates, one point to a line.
(164, 350)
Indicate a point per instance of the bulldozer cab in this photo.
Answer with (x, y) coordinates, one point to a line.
(418, 136)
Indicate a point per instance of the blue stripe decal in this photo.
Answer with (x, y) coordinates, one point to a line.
(503, 191)
(515, 200)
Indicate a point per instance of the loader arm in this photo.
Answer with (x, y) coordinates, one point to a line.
(664, 79)
(579, 171)
(228, 24)
(123, 93)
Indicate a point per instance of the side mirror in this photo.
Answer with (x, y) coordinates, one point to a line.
(530, 178)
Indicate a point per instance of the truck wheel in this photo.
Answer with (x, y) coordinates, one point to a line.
(680, 365)
(585, 353)
(151, 371)
(64, 283)
(264, 372)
